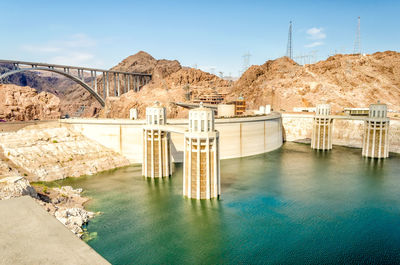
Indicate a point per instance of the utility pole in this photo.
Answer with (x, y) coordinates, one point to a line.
(357, 41)
(289, 48)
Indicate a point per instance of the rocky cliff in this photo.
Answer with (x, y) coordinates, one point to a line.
(170, 83)
(25, 103)
(51, 152)
(341, 80)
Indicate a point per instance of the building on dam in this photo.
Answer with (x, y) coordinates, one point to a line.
(321, 138)
(376, 132)
(156, 144)
(201, 174)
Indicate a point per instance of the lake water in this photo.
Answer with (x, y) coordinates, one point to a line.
(293, 205)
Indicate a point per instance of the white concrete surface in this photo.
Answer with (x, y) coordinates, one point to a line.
(239, 137)
(30, 235)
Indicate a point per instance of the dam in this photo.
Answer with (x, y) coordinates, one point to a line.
(239, 137)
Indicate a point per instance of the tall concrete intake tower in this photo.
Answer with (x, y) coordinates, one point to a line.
(321, 138)
(156, 144)
(376, 132)
(201, 175)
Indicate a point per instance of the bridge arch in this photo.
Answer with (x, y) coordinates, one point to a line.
(77, 80)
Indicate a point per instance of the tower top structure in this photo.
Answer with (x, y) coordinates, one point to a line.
(201, 119)
(156, 114)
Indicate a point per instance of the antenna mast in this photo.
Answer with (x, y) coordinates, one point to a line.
(246, 62)
(357, 42)
(289, 49)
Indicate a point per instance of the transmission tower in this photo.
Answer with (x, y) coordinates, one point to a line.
(289, 50)
(246, 61)
(357, 41)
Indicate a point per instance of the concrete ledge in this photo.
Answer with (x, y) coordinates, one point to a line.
(30, 235)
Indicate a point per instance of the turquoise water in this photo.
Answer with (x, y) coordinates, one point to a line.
(290, 206)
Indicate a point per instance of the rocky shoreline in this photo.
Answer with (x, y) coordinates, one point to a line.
(48, 152)
(64, 203)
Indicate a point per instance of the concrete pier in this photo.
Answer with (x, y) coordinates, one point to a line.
(321, 138)
(156, 144)
(30, 235)
(201, 175)
(376, 132)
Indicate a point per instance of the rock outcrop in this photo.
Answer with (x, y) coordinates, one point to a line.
(51, 152)
(66, 204)
(170, 83)
(143, 62)
(16, 186)
(25, 103)
(341, 80)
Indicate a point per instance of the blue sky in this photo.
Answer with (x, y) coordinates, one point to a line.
(214, 35)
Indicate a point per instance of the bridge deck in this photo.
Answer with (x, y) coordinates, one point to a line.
(70, 67)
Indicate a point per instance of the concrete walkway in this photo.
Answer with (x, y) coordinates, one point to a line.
(30, 235)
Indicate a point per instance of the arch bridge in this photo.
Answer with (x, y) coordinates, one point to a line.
(100, 83)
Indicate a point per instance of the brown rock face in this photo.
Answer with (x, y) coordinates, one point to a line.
(170, 83)
(143, 62)
(341, 80)
(25, 103)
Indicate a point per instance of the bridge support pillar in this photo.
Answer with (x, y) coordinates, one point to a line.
(321, 138)
(156, 144)
(376, 132)
(201, 173)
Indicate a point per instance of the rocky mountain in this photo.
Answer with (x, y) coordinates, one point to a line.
(170, 83)
(25, 103)
(72, 96)
(41, 81)
(341, 80)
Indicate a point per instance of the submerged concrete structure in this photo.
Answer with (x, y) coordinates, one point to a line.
(156, 144)
(376, 132)
(321, 138)
(201, 174)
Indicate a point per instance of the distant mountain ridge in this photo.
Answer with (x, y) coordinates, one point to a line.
(341, 80)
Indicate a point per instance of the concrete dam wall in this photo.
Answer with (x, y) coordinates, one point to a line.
(346, 132)
(239, 137)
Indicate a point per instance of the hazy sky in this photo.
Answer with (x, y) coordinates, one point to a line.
(214, 35)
